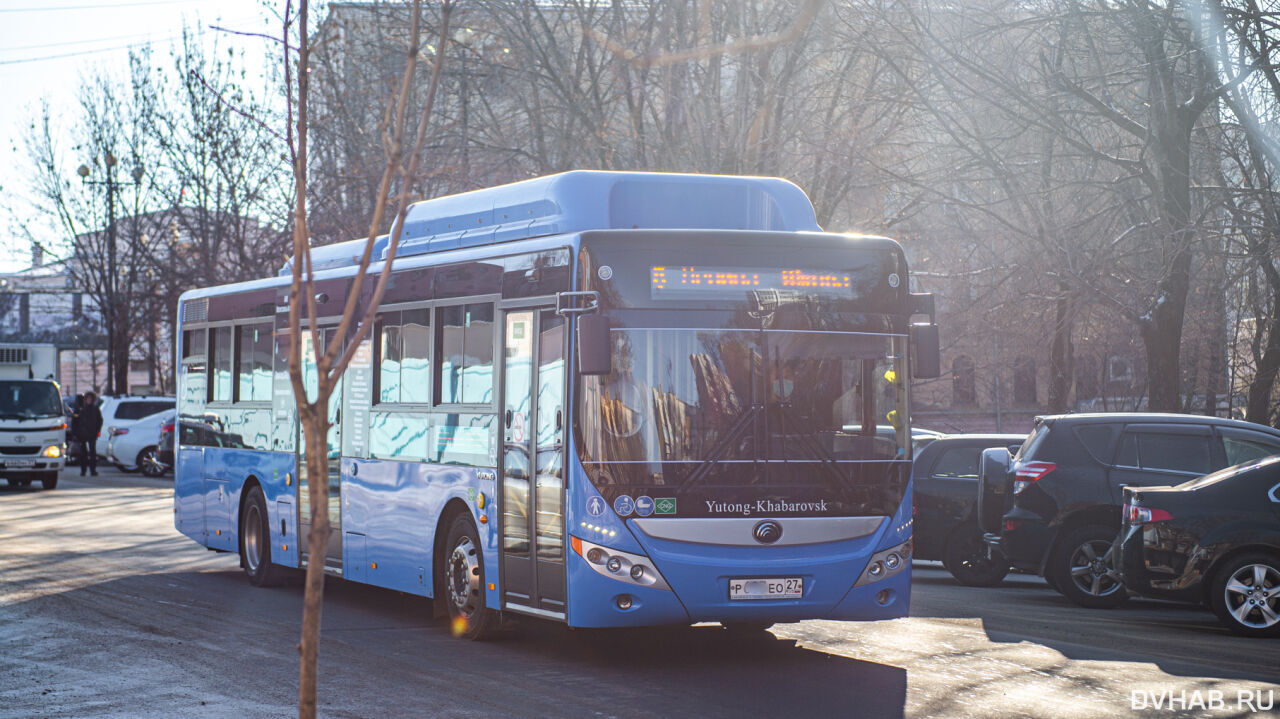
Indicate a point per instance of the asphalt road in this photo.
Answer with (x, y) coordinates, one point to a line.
(105, 611)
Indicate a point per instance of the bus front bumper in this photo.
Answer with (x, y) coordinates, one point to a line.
(833, 584)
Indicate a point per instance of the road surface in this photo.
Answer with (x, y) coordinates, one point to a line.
(106, 611)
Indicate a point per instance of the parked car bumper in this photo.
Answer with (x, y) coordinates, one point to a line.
(1155, 563)
(1024, 539)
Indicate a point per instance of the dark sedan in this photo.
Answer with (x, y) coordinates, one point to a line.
(1213, 540)
(945, 481)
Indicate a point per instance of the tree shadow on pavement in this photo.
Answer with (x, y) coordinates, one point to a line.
(1181, 639)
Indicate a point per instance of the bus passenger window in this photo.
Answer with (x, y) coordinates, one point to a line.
(465, 337)
(404, 357)
(253, 373)
(415, 357)
(221, 365)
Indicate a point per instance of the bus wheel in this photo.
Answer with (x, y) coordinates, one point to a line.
(463, 581)
(255, 541)
(49, 480)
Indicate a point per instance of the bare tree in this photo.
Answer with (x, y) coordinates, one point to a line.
(359, 308)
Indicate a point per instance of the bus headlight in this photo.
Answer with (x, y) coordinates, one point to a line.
(885, 563)
(623, 566)
(53, 450)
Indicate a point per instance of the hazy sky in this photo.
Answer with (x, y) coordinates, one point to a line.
(46, 46)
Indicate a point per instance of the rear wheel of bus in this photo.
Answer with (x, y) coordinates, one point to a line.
(255, 541)
(462, 581)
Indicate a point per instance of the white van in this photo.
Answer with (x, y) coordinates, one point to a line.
(33, 432)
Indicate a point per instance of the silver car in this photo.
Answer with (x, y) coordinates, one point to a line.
(136, 447)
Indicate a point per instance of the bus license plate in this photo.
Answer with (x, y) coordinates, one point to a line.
(772, 588)
(19, 463)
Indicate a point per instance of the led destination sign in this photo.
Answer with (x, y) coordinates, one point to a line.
(690, 282)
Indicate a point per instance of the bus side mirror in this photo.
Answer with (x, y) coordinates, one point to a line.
(926, 352)
(594, 345)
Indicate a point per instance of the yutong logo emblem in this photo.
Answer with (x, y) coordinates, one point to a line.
(767, 532)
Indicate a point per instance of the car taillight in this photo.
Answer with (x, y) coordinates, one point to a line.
(1144, 515)
(1028, 473)
(166, 428)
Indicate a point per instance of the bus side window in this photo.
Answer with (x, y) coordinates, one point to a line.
(465, 355)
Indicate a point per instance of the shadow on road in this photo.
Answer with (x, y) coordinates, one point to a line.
(382, 652)
(1181, 639)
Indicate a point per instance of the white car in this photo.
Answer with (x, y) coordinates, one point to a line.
(121, 411)
(136, 447)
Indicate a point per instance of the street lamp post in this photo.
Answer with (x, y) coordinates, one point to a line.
(117, 371)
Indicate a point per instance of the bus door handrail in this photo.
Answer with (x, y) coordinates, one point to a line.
(567, 303)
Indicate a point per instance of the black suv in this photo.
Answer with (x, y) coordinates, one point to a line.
(945, 482)
(1055, 507)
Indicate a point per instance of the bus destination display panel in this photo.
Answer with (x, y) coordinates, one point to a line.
(730, 283)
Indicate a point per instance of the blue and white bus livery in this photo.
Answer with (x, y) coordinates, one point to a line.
(600, 398)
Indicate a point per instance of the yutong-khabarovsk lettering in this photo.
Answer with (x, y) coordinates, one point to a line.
(765, 506)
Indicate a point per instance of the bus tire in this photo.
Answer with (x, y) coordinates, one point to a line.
(255, 541)
(462, 581)
(49, 480)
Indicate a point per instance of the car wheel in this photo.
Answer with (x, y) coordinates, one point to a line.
(48, 481)
(255, 541)
(966, 558)
(149, 462)
(1245, 594)
(462, 581)
(1083, 570)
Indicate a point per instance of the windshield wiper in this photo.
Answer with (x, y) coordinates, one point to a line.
(810, 446)
(745, 421)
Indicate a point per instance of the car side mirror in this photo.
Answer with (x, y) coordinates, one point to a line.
(926, 352)
(594, 345)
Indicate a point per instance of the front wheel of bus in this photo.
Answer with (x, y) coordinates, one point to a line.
(255, 541)
(463, 581)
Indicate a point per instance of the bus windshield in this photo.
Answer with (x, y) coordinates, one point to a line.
(703, 411)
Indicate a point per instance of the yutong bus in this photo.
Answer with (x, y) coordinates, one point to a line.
(605, 399)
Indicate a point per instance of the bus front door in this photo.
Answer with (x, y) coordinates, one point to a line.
(533, 491)
(333, 555)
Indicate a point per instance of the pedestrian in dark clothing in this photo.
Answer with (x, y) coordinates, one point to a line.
(77, 447)
(89, 426)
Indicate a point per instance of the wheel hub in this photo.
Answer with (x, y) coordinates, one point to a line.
(464, 577)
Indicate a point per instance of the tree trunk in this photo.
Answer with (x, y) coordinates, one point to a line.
(316, 429)
(1258, 408)
(1061, 352)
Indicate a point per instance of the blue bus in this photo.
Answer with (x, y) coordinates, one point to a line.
(607, 399)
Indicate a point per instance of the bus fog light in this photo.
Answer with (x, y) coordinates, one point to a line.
(637, 572)
(892, 561)
(595, 555)
(614, 565)
(876, 570)
(883, 596)
(624, 601)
